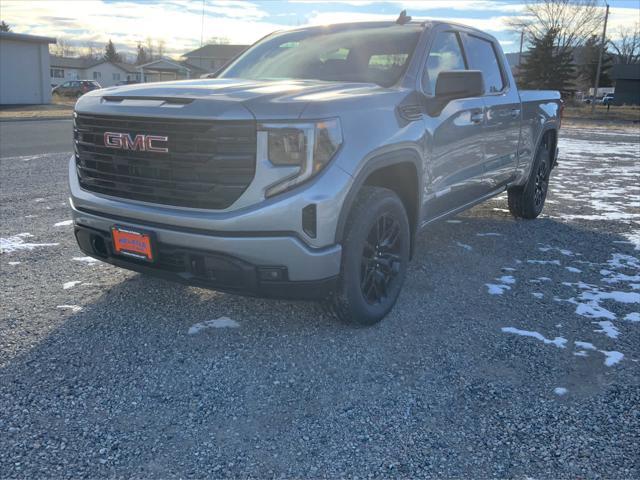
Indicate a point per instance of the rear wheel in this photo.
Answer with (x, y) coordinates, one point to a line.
(375, 257)
(528, 201)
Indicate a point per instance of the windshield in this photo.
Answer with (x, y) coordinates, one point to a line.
(367, 54)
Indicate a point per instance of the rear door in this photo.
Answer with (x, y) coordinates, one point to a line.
(455, 147)
(502, 107)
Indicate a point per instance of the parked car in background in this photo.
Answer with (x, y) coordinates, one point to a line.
(608, 99)
(75, 88)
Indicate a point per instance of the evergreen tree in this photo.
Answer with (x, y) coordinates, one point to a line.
(546, 67)
(110, 53)
(589, 64)
(141, 57)
(4, 26)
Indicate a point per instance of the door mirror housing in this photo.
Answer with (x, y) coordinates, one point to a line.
(454, 84)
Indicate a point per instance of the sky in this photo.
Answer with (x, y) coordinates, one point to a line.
(182, 25)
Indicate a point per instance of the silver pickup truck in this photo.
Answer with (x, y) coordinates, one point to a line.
(308, 166)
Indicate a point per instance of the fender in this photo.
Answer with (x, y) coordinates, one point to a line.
(387, 159)
(551, 125)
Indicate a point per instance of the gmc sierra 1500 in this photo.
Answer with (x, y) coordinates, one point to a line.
(306, 168)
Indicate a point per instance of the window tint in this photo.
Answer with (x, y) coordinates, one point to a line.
(445, 54)
(482, 57)
(370, 54)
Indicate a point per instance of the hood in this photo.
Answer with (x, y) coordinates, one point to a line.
(222, 98)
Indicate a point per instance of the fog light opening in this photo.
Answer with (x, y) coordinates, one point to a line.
(99, 247)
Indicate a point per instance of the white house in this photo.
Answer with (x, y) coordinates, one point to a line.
(105, 73)
(24, 69)
(163, 70)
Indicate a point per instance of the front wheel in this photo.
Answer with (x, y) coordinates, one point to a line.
(374, 259)
(528, 201)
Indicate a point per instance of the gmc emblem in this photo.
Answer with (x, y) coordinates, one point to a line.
(142, 143)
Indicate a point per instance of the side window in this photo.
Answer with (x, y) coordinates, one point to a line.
(482, 56)
(445, 54)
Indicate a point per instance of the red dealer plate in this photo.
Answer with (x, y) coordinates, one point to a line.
(132, 244)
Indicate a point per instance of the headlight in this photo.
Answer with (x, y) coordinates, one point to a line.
(308, 146)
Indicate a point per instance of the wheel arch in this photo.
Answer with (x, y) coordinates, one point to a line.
(399, 171)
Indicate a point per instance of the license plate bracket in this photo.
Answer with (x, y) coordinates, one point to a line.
(133, 243)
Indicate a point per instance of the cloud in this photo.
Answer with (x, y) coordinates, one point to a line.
(178, 22)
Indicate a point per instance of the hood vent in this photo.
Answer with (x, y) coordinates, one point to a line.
(165, 100)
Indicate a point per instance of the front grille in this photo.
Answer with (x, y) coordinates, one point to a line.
(209, 163)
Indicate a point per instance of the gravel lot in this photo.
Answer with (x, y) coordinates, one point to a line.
(513, 350)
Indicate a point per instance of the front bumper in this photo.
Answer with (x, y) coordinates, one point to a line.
(301, 262)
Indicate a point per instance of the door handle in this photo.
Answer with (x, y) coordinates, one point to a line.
(515, 113)
(477, 117)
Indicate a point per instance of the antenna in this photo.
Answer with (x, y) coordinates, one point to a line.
(403, 18)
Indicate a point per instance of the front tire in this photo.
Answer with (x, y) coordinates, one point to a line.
(528, 201)
(374, 259)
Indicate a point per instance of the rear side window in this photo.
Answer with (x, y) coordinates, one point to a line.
(445, 54)
(482, 56)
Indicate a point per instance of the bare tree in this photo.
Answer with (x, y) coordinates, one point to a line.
(160, 47)
(150, 49)
(90, 51)
(573, 20)
(627, 48)
(63, 48)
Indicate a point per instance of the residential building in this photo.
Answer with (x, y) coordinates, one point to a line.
(163, 70)
(210, 58)
(105, 73)
(626, 79)
(24, 69)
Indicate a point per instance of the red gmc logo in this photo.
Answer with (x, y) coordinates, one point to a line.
(142, 143)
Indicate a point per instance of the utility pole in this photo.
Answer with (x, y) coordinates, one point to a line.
(602, 45)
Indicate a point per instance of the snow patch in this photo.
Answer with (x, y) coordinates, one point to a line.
(222, 322)
(544, 262)
(560, 391)
(488, 234)
(465, 246)
(611, 357)
(537, 294)
(633, 317)
(85, 259)
(16, 243)
(68, 285)
(558, 341)
(573, 269)
(495, 289)
(507, 279)
(63, 223)
(73, 308)
(608, 328)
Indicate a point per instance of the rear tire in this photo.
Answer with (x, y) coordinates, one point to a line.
(528, 201)
(375, 254)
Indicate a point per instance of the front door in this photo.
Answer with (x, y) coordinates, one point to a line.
(455, 155)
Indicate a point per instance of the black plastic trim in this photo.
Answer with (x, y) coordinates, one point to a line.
(250, 283)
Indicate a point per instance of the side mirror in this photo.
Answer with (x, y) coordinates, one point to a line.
(453, 84)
